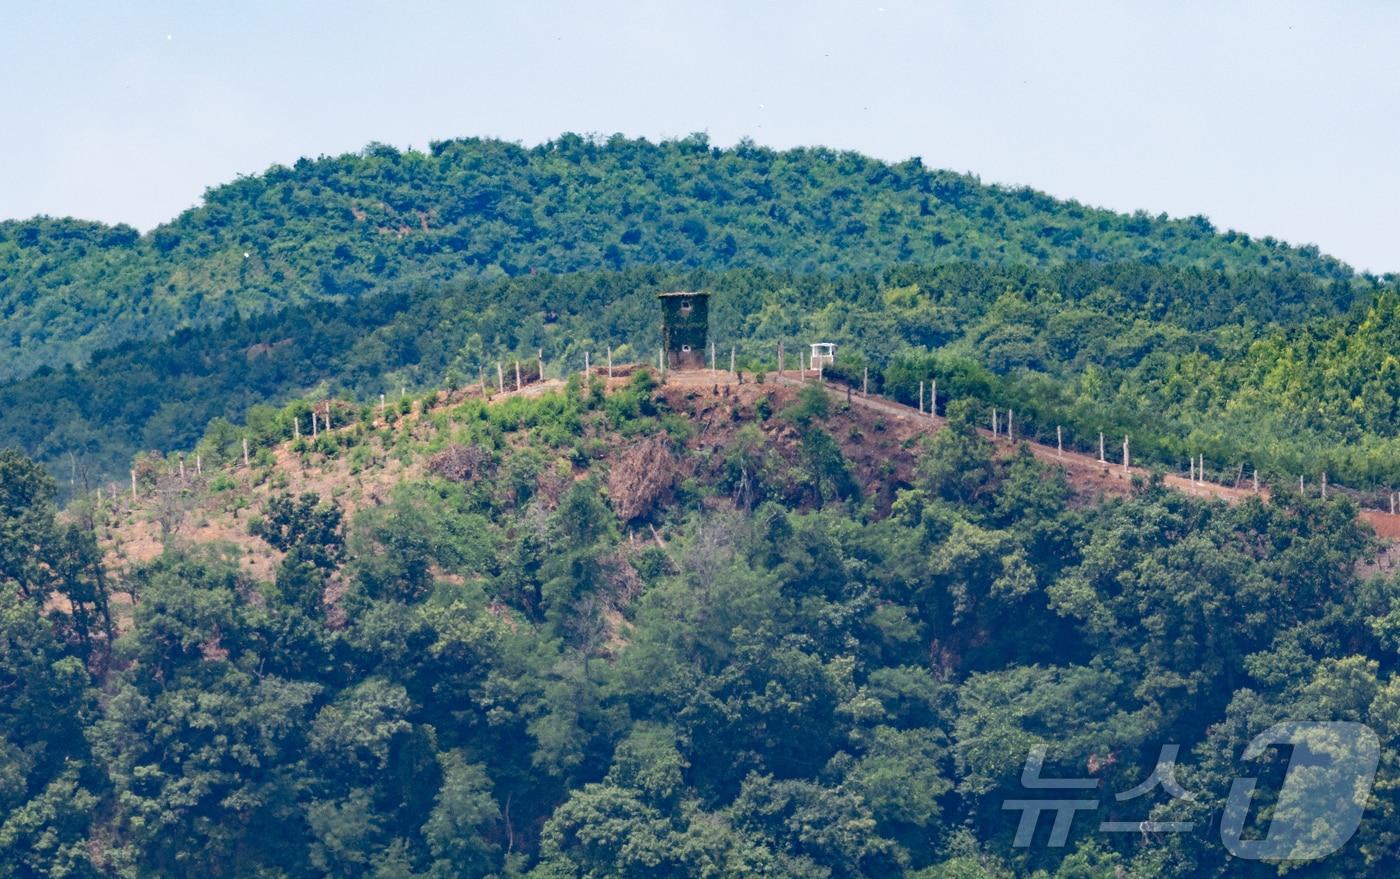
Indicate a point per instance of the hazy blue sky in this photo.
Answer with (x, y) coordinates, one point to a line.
(1272, 118)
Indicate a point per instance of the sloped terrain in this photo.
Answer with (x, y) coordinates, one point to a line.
(702, 628)
(879, 438)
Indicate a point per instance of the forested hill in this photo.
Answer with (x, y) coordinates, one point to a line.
(336, 228)
(667, 631)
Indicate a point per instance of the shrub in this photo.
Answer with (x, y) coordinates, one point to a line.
(640, 477)
(459, 463)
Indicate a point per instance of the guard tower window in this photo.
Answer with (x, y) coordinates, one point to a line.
(685, 306)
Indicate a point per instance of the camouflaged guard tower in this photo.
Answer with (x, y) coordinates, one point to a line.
(685, 328)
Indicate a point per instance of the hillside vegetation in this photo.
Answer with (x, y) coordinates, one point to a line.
(1187, 361)
(690, 630)
(336, 229)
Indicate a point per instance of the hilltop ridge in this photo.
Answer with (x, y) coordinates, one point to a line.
(360, 464)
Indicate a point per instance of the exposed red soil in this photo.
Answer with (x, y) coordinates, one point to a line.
(878, 437)
(1087, 472)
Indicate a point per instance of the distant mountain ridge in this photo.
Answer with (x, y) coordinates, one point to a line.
(334, 228)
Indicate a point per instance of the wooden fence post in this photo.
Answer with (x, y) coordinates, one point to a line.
(500, 378)
(610, 375)
(995, 425)
(1125, 453)
(1059, 442)
(921, 398)
(1101, 457)
(1010, 426)
(865, 383)
(933, 400)
(245, 451)
(780, 360)
(732, 352)
(517, 375)
(133, 485)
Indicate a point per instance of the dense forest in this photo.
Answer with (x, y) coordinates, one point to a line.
(336, 229)
(664, 632)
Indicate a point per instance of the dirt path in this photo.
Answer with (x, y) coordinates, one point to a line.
(1088, 468)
